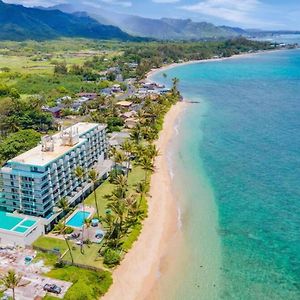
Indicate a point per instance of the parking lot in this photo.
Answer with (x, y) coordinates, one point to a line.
(33, 280)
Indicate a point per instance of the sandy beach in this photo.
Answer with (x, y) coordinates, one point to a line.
(137, 274)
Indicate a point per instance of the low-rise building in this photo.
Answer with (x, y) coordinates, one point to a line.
(90, 96)
(55, 111)
(130, 123)
(124, 104)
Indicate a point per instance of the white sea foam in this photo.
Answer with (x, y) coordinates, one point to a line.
(158, 274)
(176, 129)
(179, 218)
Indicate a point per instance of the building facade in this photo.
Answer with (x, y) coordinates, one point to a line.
(33, 182)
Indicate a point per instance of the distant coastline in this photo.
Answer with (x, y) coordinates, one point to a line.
(166, 67)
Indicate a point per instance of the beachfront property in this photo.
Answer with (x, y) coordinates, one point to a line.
(33, 182)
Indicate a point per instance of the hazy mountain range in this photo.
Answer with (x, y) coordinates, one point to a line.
(20, 23)
(83, 20)
(165, 28)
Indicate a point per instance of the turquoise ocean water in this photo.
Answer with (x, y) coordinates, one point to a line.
(236, 165)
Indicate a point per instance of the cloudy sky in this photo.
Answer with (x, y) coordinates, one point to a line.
(266, 14)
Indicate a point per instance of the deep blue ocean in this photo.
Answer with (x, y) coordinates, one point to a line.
(248, 143)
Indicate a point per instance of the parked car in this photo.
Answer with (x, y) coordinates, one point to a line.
(52, 288)
(75, 235)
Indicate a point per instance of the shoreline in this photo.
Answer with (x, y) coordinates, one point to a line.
(153, 72)
(135, 277)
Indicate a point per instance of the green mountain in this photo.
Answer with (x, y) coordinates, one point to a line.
(165, 28)
(20, 23)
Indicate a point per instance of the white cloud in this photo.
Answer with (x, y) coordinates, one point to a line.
(124, 3)
(165, 1)
(238, 11)
(36, 2)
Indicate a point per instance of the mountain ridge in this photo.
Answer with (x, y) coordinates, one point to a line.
(20, 23)
(163, 29)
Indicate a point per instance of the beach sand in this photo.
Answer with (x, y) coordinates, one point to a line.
(139, 270)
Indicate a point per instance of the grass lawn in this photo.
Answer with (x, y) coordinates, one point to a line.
(49, 259)
(24, 64)
(135, 176)
(50, 243)
(90, 256)
(87, 285)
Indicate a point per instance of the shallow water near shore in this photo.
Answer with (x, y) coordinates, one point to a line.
(236, 166)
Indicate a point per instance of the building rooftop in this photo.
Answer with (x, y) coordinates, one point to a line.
(124, 103)
(37, 157)
(15, 223)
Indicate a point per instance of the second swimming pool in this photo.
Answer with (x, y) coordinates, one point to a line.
(78, 218)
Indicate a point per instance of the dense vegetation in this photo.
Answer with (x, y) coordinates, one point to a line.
(36, 74)
(155, 54)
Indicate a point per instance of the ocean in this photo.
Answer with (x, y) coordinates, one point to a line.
(235, 163)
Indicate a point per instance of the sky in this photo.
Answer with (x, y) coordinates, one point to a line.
(263, 14)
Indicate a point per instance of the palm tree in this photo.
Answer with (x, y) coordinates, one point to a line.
(142, 189)
(136, 133)
(64, 206)
(141, 116)
(147, 165)
(79, 173)
(121, 182)
(135, 213)
(152, 152)
(88, 223)
(150, 134)
(175, 82)
(119, 158)
(94, 177)
(118, 207)
(11, 281)
(128, 148)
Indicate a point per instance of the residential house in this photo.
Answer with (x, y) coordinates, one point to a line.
(90, 96)
(124, 104)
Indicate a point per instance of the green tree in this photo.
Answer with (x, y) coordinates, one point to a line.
(94, 177)
(119, 158)
(128, 147)
(17, 143)
(141, 189)
(79, 173)
(64, 206)
(61, 68)
(152, 152)
(147, 165)
(175, 82)
(11, 281)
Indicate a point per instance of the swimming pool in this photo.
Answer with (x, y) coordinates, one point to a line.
(15, 223)
(78, 218)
